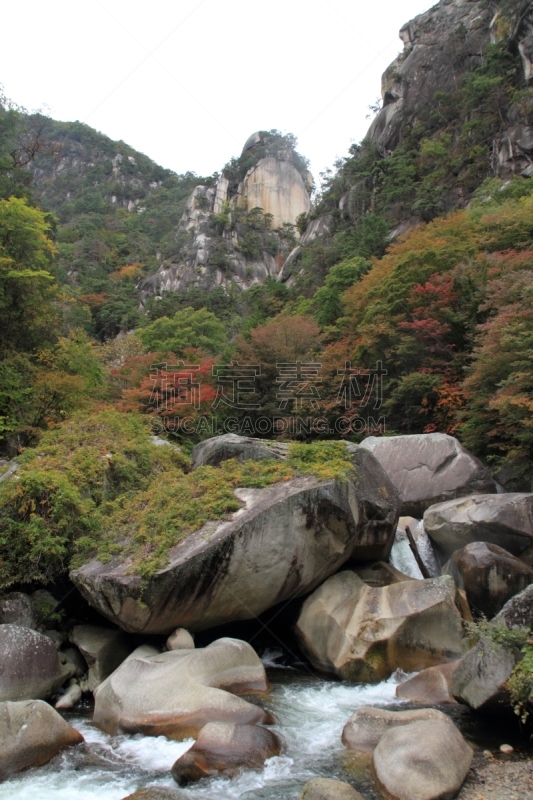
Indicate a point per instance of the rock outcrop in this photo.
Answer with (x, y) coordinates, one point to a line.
(504, 519)
(31, 733)
(489, 575)
(217, 233)
(30, 666)
(363, 634)
(285, 541)
(278, 188)
(175, 694)
(429, 468)
(439, 45)
(224, 749)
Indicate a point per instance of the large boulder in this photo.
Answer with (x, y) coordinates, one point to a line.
(426, 760)
(31, 733)
(212, 452)
(224, 749)
(366, 726)
(326, 789)
(104, 649)
(176, 693)
(431, 687)
(518, 611)
(489, 575)
(30, 666)
(502, 519)
(283, 543)
(480, 680)
(363, 634)
(428, 468)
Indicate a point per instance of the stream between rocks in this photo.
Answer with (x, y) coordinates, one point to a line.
(310, 712)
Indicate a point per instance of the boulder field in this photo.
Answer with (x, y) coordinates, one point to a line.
(284, 542)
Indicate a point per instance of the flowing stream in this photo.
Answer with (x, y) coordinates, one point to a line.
(310, 714)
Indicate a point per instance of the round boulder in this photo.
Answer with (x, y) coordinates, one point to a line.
(224, 749)
(366, 726)
(426, 760)
(326, 789)
(31, 733)
(489, 575)
(30, 666)
(174, 694)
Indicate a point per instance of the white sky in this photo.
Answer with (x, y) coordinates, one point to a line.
(187, 81)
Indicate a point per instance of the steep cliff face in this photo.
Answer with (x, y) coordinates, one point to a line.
(276, 187)
(241, 230)
(457, 109)
(440, 47)
(443, 45)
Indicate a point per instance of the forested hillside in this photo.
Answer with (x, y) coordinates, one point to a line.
(415, 254)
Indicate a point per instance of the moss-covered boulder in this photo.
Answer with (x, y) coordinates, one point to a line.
(272, 530)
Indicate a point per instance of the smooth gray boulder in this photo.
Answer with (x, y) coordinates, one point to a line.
(284, 542)
(518, 611)
(429, 468)
(363, 731)
(104, 649)
(326, 789)
(223, 748)
(363, 634)
(482, 674)
(502, 519)
(489, 575)
(31, 733)
(212, 452)
(30, 666)
(426, 760)
(176, 693)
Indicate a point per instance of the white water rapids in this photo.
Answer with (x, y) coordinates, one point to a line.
(310, 714)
